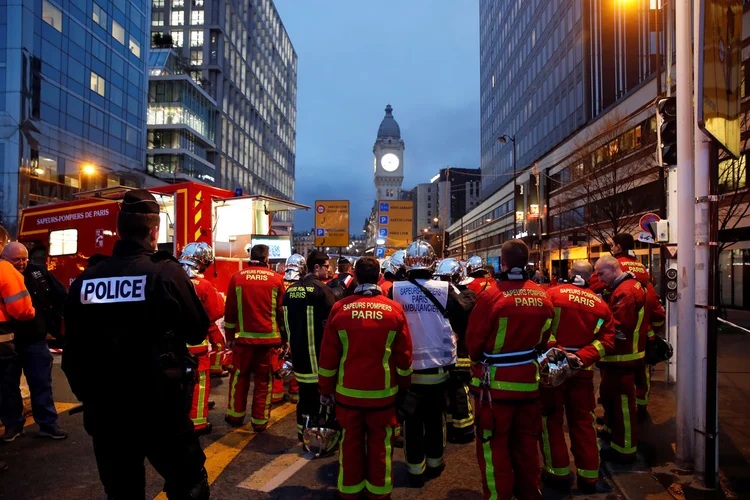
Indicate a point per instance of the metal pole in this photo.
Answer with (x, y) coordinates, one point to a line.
(657, 11)
(685, 239)
(515, 187)
(712, 355)
(445, 205)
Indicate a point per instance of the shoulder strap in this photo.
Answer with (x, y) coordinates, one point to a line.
(430, 296)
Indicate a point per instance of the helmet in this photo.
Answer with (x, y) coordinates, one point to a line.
(196, 257)
(295, 262)
(387, 266)
(285, 371)
(319, 435)
(554, 368)
(450, 268)
(658, 349)
(397, 259)
(474, 264)
(419, 255)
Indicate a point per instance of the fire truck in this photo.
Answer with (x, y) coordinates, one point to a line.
(65, 236)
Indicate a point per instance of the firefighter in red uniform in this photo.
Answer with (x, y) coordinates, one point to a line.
(195, 259)
(583, 327)
(365, 360)
(253, 326)
(627, 301)
(508, 323)
(479, 279)
(294, 270)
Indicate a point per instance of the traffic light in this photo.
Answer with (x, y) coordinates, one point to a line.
(667, 109)
(671, 284)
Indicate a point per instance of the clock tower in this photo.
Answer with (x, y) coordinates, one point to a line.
(389, 159)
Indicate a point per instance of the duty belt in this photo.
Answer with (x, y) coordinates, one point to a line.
(510, 358)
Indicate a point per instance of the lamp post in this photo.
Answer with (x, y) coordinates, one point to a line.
(502, 140)
(86, 169)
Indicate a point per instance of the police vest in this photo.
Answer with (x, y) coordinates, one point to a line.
(433, 340)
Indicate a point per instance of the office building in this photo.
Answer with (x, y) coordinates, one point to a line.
(72, 99)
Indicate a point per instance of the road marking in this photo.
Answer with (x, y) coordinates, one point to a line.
(60, 407)
(221, 452)
(278, 471)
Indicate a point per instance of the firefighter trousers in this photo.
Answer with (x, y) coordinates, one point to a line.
(309, 404)
(251, 361)
(278, 391)
(643, 387)
(508, 453)
(366, 452)
(218, 351)
(201, 392)
(575, 400)
(460, 417)
(617, 393)
(424, 430)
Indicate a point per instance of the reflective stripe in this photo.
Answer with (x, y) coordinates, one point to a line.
(650, 333)
(598, 325)
(593, 425)
(345, 348)
(363, 394)
(599, 348)
(556, 321)
(257, 335)
(259, 421)
(232, 393)
(464, 422)
(274, 301)
(386, 358)
(636, 332)
(509, 386)
(240, 321)
(219, 348)
(229, 325)
(502, 329)
(306, 378)
(326, 373)
(545, 327)
(560, 471)
(311, 341)
(269, 397)
(387, 487)
(16, 297)
(552, 338)
(657, 324)
(489, 467)
(348, 490)
(588, 474)
(463, 363)
(416, 469)
(434, 462)
(286, 321)
(627, 448)
(622, 357)
(429, 378)
(404, 373)
(200, 417)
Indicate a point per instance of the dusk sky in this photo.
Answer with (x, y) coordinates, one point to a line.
(420, 56)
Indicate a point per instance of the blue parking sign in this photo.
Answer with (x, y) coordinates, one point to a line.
(320, 232)
(380, 252)
(383, 220)
(384, 207)
(383, 232)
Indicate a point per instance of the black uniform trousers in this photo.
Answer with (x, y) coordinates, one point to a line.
(461, 417)
(424, 430)
(308, 404)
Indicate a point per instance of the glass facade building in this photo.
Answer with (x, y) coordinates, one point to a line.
(72, 95)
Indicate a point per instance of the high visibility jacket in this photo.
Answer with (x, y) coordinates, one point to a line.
(628, 264)
(654, 315)
(213, 303)
(627, 302)
(583, 323)
(385, 285)
(366, 352)
(253, 309)
(505, 327)
(307, 304)
(16, 301)
(479, 285)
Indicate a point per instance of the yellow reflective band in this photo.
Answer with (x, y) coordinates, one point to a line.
(599, 348)
(509, 386)
(311, 340)
(588, 474)
(636, 332)
(489, 467)
(269, 397)
(429, 378)
(627, 447)
(651, 333)
(502, 329)
(598, 325)
(229, 325)
(345, 348)
(657, 324)
(593, 425)
(348, 490)
(404, 373)
(546, 448)
(274, 300)
(615, 358)
(201, 393)
(434, 462)
(363, 394)
(387, 487)
(556, 322)
(232, 393)
(327, 373)
(240, 321)
(386, 358)
(219, 348)
(416, 469)
(199, 421)
(306, 378)
(257, 335)
(286, 321)
(259, 421)
(552, 338)
(463, 423)
(545, 327)
(15, 297)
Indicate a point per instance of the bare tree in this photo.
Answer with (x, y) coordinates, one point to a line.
(735, 204)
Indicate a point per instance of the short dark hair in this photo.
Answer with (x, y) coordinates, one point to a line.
(345, 266)
(259, 253)
(367, 270)
(316, 257)
(490, 269)
(624, 240)
(136, 226)
(514, 253)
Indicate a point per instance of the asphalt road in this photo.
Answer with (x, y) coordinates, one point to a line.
(242, 465)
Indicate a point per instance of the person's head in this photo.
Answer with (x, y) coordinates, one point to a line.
(489, 269)
(582, 268)
(622, 243)
(344, 265)
(4, 238)
(259, 253)
(514, 254)
(318, 264)
(17, 254)
(367, 270)
(608, 269)
(138, 219)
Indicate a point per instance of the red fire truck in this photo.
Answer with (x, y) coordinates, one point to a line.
(63, 236)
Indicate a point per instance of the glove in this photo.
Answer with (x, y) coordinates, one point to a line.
(327, 399)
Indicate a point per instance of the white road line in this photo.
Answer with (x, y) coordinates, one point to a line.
(278, 471)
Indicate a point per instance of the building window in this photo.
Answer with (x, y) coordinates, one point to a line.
(99, 16)
(178, 18)
(177, 38)
(52, 15)
(196, 38)
(157, 19)
(178, 3)
(196, 57)
(63, 242)
(157, 4)
(118, 33)
(197, 3)
(97, 84)
(196, 17)
(134, 47)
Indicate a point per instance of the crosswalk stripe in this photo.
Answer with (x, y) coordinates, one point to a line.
(60, 407)
(222, 451)
(278, 471)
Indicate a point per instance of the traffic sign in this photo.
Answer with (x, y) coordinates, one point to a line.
(332, 223)
(383, 220)
(672, 249)
(648, 219)
(646, 237)
(380, 252)
(395, 223)
(383, 232)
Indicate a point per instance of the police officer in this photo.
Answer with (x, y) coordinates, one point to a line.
(307, 304)
(437, 316)
(128, 320)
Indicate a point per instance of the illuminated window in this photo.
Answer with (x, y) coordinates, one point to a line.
(118, 33)
(157, 4)
(97, 84)
(196, 38)
(157, 19)
(134, 47)
(196, 57)
(178, 17)
(178, 3)
(63, 242)
(99, 16)
(196, 17)
(52, 15)
(178, 38)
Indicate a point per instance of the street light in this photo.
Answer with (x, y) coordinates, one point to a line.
(502, 140)
(435, 220)
(86, 169)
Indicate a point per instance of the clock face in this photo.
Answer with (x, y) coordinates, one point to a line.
(389, 162)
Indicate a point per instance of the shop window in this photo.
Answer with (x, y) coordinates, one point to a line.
(63, 242)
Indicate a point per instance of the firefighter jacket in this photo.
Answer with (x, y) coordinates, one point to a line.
(583, 324)
(213, 303)
(15, 301)
(128, 321)
(627, 301)
(654, 314)
(505, 328)
(385, 285)
(479, 285)
(253, 310)
(307, 304)
(628, 264)
(366, 353)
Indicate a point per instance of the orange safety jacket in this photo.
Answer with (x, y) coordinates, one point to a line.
(15, 301)
(366, 353)
(583, 324)
(507, 324)
(213, 303)
(628, 264)
(627, 302)
(253, 309)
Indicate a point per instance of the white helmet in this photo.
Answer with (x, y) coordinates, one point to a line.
(419, 255)
(196, 257)
(295, 267)
(387, 266)
(474, 264)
